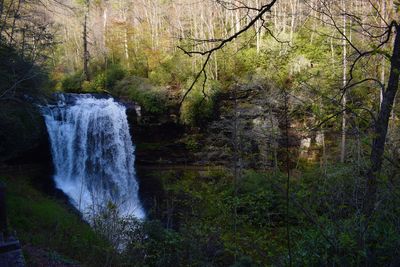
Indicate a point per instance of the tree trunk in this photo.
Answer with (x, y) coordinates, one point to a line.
(104, 29)
(23, 42)
(344, 99)
(293, 8)
(258, 32)
(126, 46)
(381, 126)
(85, 44)
(383, 18)
(16, 15)
(236, 172)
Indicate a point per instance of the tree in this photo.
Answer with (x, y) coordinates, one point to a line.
(344, 98)
(26, 41)
(376, 37)
(382, 121)
(86, 55)
(220, 43)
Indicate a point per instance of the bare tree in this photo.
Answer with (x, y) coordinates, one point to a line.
(377, 37)
(220, 43)
(344, 98)
(86, 55)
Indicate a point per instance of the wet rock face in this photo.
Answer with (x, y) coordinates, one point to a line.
(23, 134)
(258, 132)
(254, 113)
(251, 113)
(160, 143)
(157, 139)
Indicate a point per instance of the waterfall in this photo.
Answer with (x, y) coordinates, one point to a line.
(93, 153)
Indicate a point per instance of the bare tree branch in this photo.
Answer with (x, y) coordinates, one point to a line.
(221, 43)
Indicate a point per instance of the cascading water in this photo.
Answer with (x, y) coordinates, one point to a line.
(93, 153)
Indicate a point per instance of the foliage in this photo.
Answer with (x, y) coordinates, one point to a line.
(72, 83)
(339, 233)
(21, 128)
(207, 218)
(199, 107)
(45, 222)
(150, 98)
(169, 70)
(19, 76)
(103, 80)
(114, 73)
(153, 245)
(321, 234)
(327, 227)
(203, 216)
(192, 142)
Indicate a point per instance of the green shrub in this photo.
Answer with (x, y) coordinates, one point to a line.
(47, 223)
(198, 109)
(102, 78)
(113, 74)
(192, 143)
(72, 83)
(96, 85)
(151, 98)
(172, 69)
(153, 245)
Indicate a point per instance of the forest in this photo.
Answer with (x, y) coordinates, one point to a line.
(236, 133)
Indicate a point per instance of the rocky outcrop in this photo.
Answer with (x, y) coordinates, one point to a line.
(254, 113)
(11, 253)
(23, 134)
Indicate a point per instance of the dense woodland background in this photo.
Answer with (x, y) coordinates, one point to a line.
(285, 112)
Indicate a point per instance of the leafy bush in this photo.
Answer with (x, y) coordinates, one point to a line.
(113, 74)
(192, 143)
(153, 245)
(152, 99)
(170, 70)
(45, 222)
(198, 109)
(72, 83)
(141, 243)
(103, 79)
(96, 85)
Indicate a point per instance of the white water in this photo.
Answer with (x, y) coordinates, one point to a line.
(93, 154)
